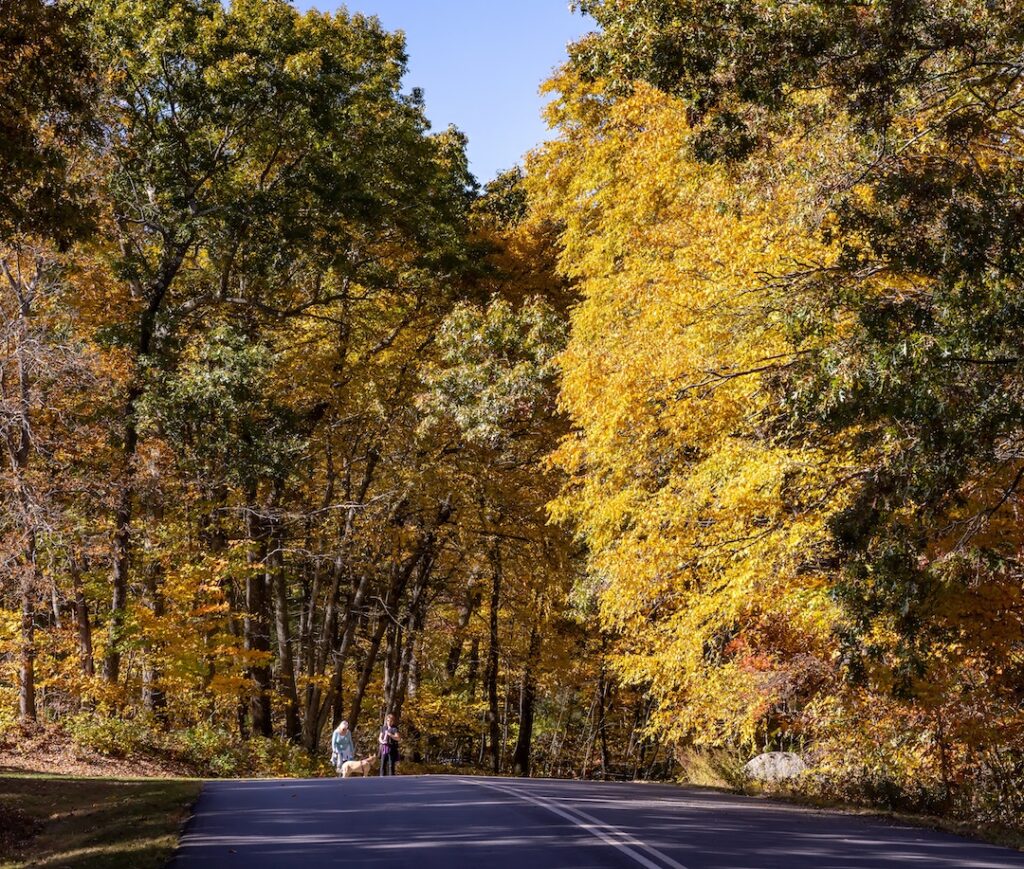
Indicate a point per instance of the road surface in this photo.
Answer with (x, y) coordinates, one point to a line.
(445, 822)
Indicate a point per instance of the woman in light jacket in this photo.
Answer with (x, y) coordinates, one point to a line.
(342, 746)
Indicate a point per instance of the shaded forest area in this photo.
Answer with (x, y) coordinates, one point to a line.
(699, 437)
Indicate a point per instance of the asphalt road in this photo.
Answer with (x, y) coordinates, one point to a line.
(425, 822)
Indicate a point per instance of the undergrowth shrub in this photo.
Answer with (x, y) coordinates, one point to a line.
(209, 750)
(203, 749)
(109, 736)
(712, 767)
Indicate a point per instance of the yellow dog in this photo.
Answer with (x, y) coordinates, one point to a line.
(354, 767)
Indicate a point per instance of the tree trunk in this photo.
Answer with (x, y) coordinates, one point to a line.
(256, 625)
(366, 673)
(401, 574)
(82, 624)
(286, 666)
(413, 627)
(58, 622)
(491, 673)
(392, 655)
(338, 711)
(310, 593)
(120, 556)
(19, 444)
(329, 645)
(589, 741)
(560, 734)
(153, 697)
(319, 703)
(527, 696)
(602, 720)
(237, 631)
(121, 549)
(473, 668)
(27, 668)
(326, 645)
(472, 601)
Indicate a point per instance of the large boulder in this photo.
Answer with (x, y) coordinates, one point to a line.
(775, 766)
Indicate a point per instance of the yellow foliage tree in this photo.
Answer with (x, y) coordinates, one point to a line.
(706, 528)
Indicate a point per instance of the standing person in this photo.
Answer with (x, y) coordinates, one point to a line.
(342, 746)
(389, 741)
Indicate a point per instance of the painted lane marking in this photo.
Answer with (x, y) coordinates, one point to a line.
(595, 827)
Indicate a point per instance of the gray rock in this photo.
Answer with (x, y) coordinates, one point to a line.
(775, 766)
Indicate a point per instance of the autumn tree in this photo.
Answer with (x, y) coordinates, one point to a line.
(46, 92)
(703, 530)
(491, 389)
(879, 301)
(46, 84)
(231, 146)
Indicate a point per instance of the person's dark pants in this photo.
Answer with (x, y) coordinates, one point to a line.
(387, 763)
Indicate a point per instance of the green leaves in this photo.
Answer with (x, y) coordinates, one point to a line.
(496, 369)
(46, 92)
(217, 413)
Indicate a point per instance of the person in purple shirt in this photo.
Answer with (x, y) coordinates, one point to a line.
(388, 741)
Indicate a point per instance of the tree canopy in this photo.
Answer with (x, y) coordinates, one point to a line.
(696, 437)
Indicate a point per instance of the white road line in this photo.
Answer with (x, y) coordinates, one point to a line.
(592, 825)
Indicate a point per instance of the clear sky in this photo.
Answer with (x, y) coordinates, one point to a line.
(480, 63)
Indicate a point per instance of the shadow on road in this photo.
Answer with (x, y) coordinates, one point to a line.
(442, 821)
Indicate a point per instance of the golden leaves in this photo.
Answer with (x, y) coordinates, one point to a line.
(704, 527)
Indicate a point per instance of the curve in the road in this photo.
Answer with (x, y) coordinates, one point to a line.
(588, 823)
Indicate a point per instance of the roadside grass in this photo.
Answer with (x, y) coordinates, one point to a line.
(722, 770)
(994, 834)
(92, 823)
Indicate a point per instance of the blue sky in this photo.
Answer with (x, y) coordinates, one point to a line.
(480, 63)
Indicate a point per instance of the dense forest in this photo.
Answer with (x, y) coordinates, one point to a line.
(700, 436)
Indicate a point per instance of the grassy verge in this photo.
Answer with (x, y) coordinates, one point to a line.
(89, 823)
(723, 770)
(994, 834)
